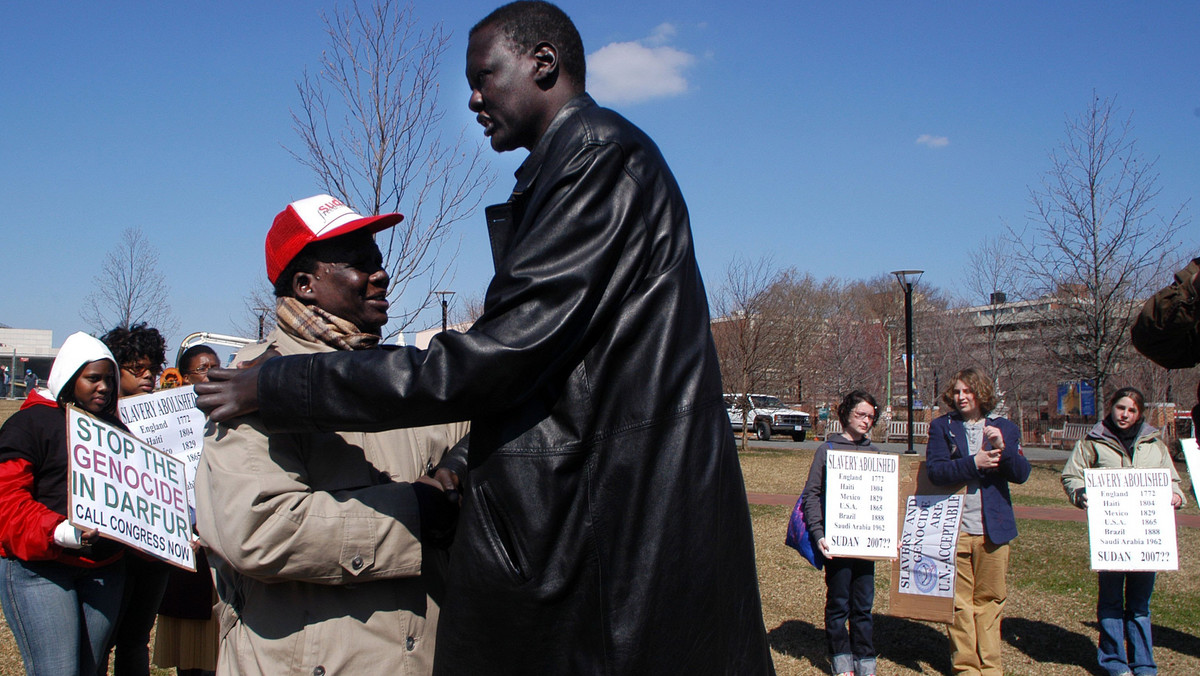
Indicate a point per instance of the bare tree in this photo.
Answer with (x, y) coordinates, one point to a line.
(371, 130)
(1095, 243)
(1002, 330)
(942, 337)
(129, 289)
(850, 351)
(796, 307)
(468, 309)
(990, 276)
(258, 315)
(742, 333)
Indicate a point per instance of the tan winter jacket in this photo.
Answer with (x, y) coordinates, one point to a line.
(316, 540)
(1100, 449)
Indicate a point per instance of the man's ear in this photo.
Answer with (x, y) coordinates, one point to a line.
(546, 56)
(302, 286)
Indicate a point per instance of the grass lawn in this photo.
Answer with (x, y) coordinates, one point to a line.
(1049, 625)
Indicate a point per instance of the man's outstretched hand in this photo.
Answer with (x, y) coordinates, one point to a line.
(229, 393)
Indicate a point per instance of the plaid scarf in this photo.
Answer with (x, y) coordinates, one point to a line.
(311, 323)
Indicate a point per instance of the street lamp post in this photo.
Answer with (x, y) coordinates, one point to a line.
(907, 279)
(445, 305)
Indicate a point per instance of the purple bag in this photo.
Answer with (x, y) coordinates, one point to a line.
(799, 540)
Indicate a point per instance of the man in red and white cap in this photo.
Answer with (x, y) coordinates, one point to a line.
(326, 539)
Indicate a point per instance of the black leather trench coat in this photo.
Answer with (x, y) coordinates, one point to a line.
(605, 528)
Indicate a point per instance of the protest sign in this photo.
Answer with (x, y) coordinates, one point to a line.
(1131, 524)
(860, 504)
(1191, 455)
(128, 490)
(923, 574)
(928, 543)
(169, 421)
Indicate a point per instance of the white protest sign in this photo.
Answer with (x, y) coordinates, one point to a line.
(928, 543)
(128, 490)
(860, 504)
(1191, 455)
(1131, 524)
(169, 421)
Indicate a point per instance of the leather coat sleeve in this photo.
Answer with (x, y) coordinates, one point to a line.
(26, 525)
(561, 280)
(943, 469)
(256, 510)
(455, 459)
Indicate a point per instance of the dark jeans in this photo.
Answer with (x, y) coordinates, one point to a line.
(145, 582)
(1123, 608)
(849, 595)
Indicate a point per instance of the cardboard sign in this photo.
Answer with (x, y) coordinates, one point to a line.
(860, 504)
(929, 536)
(928, 544)
(1131, 524)
(1191, 455)
(128, 490)
(169, 421)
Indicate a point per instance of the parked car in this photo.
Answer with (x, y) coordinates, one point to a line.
(767, 416)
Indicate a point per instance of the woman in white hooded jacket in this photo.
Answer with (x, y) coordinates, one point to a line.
(60, 587)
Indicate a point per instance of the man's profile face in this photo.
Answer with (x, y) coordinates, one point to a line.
(503, 92)
(350, 282)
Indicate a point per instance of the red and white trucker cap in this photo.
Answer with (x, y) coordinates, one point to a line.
(311, 220)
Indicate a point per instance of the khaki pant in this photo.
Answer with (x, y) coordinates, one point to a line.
(979, 594)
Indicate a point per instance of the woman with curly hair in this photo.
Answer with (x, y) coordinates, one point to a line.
(141, 352)
(967, 447)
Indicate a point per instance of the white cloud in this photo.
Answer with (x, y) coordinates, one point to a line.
(630, 72)
(661, 34)
(933, 141)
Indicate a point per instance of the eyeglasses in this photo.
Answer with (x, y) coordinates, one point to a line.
(140, 370)
(200, 370)
(862, 416)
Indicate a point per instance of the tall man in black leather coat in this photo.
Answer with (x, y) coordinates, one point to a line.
(604, 527)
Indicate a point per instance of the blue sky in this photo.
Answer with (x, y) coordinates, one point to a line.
(845, 138)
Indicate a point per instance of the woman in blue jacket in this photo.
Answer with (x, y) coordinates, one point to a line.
(967, 447)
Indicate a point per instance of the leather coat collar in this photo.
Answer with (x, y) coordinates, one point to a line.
(529, 169)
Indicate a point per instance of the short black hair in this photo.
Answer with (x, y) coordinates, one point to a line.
(314, 253)
(851, 400)
(131, 343)
(191, 353)
(527, 22)
(305, 261)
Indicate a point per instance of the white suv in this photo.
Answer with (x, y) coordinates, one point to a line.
(767, 416)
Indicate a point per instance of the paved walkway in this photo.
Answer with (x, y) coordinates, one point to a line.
(1022, 512)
